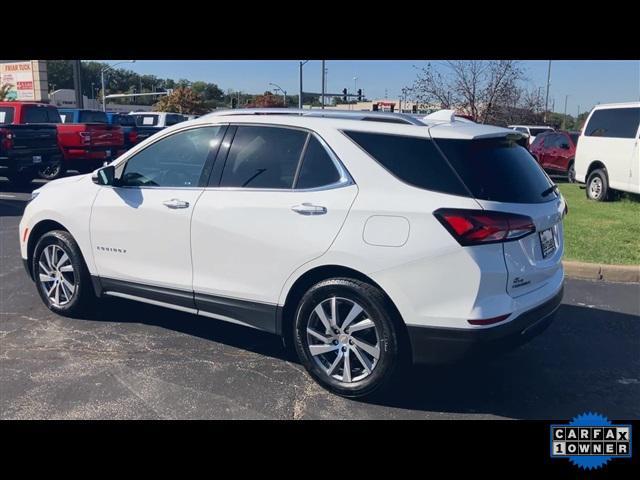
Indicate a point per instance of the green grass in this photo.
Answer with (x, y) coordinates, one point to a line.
(601, 232)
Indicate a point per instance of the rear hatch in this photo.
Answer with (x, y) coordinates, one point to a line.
(32, 137)
(503, 176)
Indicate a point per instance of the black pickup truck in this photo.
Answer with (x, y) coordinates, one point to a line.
(25, 148)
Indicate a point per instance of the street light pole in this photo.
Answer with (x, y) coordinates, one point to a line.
(300, 93)
(104, 69)
(546, 100)
(284, 93)
(323, 86)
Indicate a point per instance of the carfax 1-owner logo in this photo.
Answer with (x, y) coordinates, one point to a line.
(590, 440)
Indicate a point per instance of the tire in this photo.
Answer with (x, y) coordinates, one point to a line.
(376, 335)
(597, 185)
(571, 173)
(53, 170)
(49, 251)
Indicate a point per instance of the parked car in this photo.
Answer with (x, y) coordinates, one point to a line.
(531, 130)
(86, 139)
(556, 152)
(28, 139)
(329, 231)
(608, 155)
(158, 119)
(129, 128)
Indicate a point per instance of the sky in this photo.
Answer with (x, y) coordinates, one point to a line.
(587, 82)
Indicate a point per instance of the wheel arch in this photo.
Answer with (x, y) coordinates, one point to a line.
(37, 231)
(594, 165)
(317, 274)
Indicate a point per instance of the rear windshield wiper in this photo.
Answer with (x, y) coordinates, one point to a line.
(549, 190)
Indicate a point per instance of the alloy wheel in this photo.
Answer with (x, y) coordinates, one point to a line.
(343, 340)
(56, 275)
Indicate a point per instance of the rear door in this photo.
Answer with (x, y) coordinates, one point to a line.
(503, 176)
(277, 199)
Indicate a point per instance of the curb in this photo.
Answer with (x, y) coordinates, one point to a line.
(607, 273)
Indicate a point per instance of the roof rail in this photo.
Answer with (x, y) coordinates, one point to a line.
(327, 113)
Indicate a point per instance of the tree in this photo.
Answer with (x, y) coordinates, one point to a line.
(182, 100)
(268, 100)
(485, 90)
(4, 91)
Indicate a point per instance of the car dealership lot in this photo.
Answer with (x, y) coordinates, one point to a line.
(130, 360)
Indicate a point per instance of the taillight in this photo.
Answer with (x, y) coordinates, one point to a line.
(6, 137)
(85, 138)
(133, 137)
(474, 227)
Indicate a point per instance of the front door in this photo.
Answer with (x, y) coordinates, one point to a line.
(140, 227)
(280, 202)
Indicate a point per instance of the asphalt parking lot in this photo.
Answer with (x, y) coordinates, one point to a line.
(136, 361)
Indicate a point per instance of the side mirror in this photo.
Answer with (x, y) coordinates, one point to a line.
(104, 176)
(564, 146)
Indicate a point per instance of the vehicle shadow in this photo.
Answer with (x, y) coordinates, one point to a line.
(587, 360)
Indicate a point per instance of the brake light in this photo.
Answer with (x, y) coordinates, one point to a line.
(85, 138)
(6, 138)
(133, 137)
(475, 227)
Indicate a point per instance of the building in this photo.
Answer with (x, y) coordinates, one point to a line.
(27, 79)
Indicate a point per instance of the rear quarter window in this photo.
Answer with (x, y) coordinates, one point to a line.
(498, 169)
(613, 123)
(414, 160)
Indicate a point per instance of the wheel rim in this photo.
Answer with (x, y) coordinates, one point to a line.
(56, 275)
(595, 187)
(343, 340)
(51, 170)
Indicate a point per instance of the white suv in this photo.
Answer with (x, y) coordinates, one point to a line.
(608, 154)
(363, 243)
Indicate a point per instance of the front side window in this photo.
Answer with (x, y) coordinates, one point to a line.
(175, 161)
(318, 169)
(263, 157)
(613, 123)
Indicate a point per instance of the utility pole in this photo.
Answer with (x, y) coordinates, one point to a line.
(546, 100)
(564, 118)
(300, 93)
(77, 82)
(323, 87)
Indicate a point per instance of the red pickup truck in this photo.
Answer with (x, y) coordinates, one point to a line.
(84, 146)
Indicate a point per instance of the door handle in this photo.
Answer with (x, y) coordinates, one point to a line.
(175, 203)
(309, 209)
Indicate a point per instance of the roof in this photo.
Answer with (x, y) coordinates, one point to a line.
(441, 124)
(617, 105)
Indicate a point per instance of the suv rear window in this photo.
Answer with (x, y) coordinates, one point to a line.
(146, 120)
(498, 169)
(6, 114)
(413, 160)
(613, 122)
(124, 120)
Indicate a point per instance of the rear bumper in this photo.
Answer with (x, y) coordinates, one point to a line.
(445, 345)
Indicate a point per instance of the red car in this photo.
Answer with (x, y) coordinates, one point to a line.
(555, 151)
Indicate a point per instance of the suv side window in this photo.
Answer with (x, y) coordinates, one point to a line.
(613, 122)
(263, 157)
(414, 160)
(551, 140)
(174, 161)
(318, 169)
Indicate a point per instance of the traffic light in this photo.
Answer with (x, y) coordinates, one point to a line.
(234, 102)
(359, 94)
(344, 94)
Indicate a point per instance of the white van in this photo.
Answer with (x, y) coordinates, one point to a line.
(608, 156)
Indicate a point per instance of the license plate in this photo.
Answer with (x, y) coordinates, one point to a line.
(37, 159)
(547, 242)
(107, 153)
